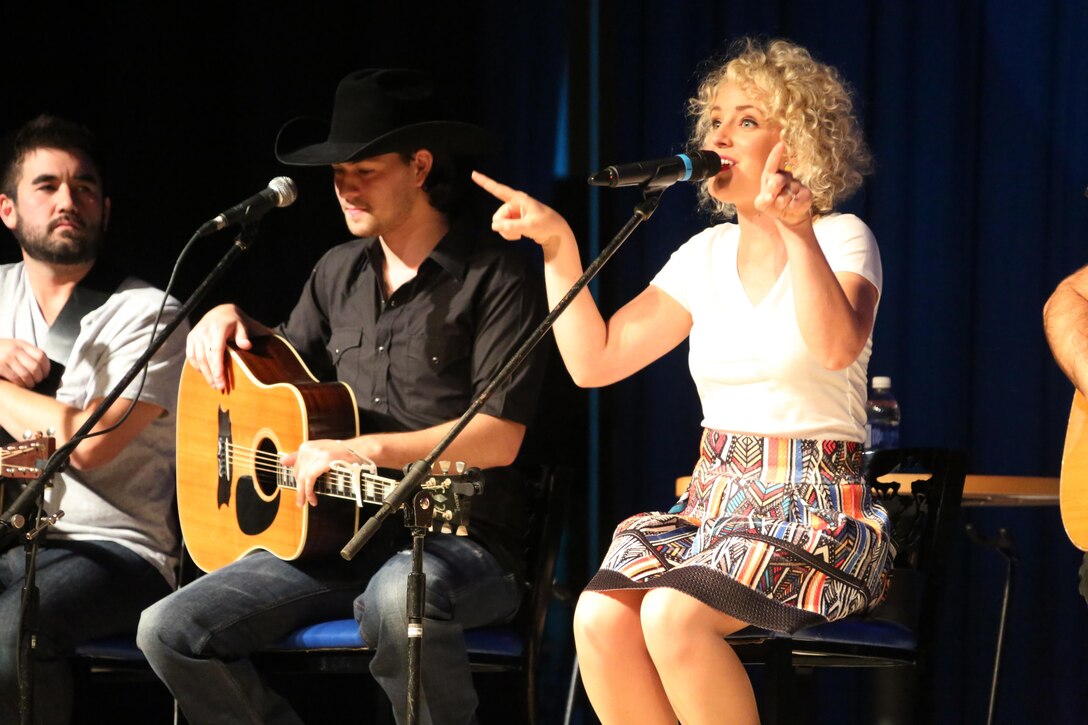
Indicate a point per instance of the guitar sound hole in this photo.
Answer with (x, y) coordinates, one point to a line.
(255, 513)
(266, 474)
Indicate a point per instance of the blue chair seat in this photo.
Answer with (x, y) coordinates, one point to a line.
(860, 632)
(850, 631)
(121, 648)
(343, 634)
(339, 634)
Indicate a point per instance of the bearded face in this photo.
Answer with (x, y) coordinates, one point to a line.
(67, 239)
(58, 212)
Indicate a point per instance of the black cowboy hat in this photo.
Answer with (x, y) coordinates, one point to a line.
(379, 111)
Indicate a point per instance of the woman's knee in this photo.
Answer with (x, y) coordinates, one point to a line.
(600, 618)
(671, 618)
(664, 624)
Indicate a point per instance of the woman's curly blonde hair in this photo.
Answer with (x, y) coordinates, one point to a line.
(811, 103)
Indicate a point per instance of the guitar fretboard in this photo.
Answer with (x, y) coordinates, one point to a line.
(343, 480)
(340, 482)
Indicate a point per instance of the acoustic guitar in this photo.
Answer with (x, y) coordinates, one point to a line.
(20, 459)
(235, 495)
(1073, 494)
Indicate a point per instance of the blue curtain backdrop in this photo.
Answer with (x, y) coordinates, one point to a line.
(977, 113)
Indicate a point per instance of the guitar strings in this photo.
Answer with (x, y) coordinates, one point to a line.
(6, 454)
(263, 462)
(11, 453)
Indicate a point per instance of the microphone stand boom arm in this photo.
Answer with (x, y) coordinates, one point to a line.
(417, 471)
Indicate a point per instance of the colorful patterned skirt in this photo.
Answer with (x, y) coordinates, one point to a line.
(781, 533)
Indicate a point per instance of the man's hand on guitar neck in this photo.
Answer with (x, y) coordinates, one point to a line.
(485, 442)
(206, 345)
(22, 364)
(312, 459)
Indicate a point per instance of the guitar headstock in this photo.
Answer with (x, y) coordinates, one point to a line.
(20, 459)
(448, 490)
(452, 487)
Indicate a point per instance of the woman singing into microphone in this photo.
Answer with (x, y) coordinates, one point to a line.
(777, 528)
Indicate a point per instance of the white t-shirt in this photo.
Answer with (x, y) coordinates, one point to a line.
(752, 369)
(129, 500)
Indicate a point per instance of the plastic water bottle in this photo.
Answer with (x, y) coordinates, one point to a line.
(882, 412)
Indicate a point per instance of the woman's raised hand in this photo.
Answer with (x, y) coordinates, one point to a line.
(781, 196)
(523, 216)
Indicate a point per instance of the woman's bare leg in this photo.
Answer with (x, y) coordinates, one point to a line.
(704, 679)
(620, 678)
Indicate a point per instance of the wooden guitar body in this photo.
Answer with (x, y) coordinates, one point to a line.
(1073, 495)
(230, 498)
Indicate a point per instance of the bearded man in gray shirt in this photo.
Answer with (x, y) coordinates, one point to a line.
(113, 551)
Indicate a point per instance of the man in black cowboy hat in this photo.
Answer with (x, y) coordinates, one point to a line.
(416, 315)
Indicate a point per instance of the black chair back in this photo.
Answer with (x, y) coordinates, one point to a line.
(921, 491)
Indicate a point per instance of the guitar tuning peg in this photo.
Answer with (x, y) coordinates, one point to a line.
(461, 530)
(460, 467)
(444, 466)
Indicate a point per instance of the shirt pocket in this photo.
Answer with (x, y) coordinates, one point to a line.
(442, 358)
(344, 346)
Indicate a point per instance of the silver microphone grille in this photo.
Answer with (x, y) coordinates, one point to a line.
(286, 191)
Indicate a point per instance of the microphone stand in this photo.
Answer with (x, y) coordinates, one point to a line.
(28, 613)
(15, 514)
(416, 472)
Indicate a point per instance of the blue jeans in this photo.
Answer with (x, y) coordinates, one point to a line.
(198, 640)
(86, 590)
(466, 588)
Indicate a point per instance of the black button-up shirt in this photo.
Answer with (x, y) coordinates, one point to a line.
(420, 357)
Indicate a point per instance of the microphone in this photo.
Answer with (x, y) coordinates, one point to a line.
(281, 191)
(660, 172)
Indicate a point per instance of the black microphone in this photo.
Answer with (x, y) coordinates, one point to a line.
(281, 191)
(660, 172)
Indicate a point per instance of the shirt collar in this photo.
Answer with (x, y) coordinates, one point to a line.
(451, 254)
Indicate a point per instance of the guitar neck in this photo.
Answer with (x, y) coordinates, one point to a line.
(343, 481)
(350, 481)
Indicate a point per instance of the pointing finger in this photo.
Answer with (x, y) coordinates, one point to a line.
(502, 192)
(774, 159)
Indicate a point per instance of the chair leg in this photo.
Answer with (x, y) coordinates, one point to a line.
(779, 689)
(571, 691)
(1003, 545)
(530, 674)
(1010, 561)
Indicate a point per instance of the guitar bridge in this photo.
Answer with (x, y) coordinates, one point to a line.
(222, 455)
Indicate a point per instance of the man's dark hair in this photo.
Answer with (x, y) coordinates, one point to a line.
(45, 132)
(443, 187)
